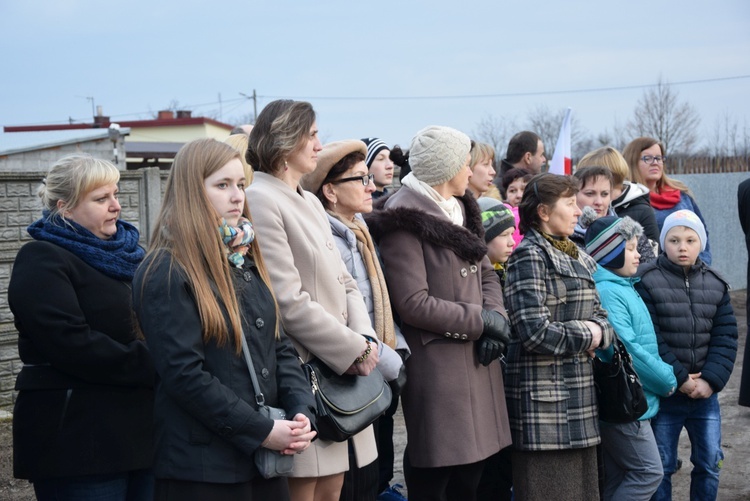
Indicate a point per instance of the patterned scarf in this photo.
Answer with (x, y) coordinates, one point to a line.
(565, 244)
(237, 239)
(117, 257)
(381, 302)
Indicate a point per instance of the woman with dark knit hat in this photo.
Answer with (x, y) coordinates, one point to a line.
(452, 315)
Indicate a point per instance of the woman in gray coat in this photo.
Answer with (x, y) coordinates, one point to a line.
(557, 322)
(450, 303)
(346, 190)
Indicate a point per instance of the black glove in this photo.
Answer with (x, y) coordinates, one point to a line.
(397, 385)
(495, 337)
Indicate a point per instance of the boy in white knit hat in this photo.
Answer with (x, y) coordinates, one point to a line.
(697, 332)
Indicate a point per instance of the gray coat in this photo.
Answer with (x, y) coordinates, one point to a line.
(549, 380)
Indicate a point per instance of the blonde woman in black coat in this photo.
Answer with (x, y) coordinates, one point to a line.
(203, 287)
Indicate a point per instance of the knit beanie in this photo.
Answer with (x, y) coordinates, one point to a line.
(496, 217)
(606, 238)
(685, 218)
(437, 154)
(374, 146)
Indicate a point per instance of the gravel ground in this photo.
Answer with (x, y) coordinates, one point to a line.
(735, 477)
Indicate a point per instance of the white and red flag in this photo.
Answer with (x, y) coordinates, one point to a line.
(562, 162)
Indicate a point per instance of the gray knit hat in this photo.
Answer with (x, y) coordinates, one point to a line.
(437, 153)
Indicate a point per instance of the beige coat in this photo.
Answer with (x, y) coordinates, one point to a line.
(322, 310)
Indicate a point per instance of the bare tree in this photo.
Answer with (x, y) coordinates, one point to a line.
(495, 131)
(618, 137)
(660, 114)
(547, 125)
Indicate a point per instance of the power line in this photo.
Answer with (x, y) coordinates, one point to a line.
(508, 94)
(424, 98)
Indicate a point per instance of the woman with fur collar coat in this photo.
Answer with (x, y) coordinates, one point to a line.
(450, 303)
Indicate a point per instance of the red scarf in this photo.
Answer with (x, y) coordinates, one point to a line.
(666, 199)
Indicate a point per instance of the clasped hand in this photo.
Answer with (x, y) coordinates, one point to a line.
(290, 437)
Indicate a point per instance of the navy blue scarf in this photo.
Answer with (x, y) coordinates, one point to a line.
(117, 257)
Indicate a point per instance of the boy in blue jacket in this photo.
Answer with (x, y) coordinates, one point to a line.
(697, 333)
(632, 466)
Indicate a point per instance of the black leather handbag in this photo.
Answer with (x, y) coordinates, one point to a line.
(620, 393)
(346, 404)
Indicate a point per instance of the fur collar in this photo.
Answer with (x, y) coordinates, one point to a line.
(430, 225)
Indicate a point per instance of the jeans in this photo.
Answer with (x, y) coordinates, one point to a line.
(137, 485)
(702, 420)
(632, 466)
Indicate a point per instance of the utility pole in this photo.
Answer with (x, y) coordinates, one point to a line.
(254, 97)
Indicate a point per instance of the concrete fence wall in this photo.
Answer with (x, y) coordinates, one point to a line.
(140, 195)
(716, 195)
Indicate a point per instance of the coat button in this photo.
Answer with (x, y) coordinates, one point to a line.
(464, 337)
(345, 315)
(473, 268)
(447, 334)
(247, 276)
(456, 335)
(226, 431)
(341, 279)
(264, 373)
(464, 273)
(329, 244)
(259, 323)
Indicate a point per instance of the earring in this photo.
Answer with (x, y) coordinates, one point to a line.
(286, 166)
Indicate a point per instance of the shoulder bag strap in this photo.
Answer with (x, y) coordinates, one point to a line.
(259, 398)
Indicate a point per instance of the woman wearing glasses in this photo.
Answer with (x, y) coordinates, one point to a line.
(321, 308)
(346, 190)
(646, 160)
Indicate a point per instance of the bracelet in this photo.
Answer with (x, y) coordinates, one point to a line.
(366, 354)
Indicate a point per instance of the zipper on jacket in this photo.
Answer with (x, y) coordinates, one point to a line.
(68, 393)
(692, 324)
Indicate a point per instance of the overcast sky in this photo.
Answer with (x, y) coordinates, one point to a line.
(382, 69)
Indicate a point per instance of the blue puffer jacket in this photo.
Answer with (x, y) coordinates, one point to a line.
(629, 316)
(693, 319)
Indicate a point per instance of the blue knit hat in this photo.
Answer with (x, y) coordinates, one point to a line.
(606, 238)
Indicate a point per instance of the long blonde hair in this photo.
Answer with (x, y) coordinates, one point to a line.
(187, 228)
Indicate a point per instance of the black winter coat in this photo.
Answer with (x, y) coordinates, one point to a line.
(85, 405)
(693, 319)
(639, 209)
(207, 423)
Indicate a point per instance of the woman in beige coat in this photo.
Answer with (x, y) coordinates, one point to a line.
(321, 308)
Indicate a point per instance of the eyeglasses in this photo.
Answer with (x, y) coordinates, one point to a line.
(365, 180)
(650, 159)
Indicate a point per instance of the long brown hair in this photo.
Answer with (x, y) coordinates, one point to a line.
(632, 154)
(187, 229)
